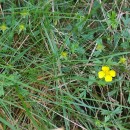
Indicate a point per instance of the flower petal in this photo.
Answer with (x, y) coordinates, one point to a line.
(105, 68)
(108, 78)
(112, 73)
(101, 74)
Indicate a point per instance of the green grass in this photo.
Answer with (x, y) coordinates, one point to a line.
(40, 89)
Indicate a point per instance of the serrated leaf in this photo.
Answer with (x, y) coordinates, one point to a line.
(91, 80)
(97, 62)
(118, 110)
(80, 50)
(111, 93)
(97, 53)
(105, 112)
(88, 36)
(107, 118)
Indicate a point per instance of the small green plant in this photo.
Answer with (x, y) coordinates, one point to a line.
(8, 81)
(112, 19)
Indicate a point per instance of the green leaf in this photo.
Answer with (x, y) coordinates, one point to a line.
(7, 123)
(118, 110)
(80, 50)
(106, 128)
(1, 91)
(128, 100)
(107, 118)
(110, 62)
(83, 94)
(91, 80)
(88, 36)
(113, 92)
(67, 41)
(97, 53)
(74, 47)
(116, 40)
(105, 112)
(97, 62)
(125, 45)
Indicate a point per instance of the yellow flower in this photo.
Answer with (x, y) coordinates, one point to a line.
(122, 60)
(64, 54)
(100, 47)
(3, 27)
(106, 73)
(24, 13)
(21, 27)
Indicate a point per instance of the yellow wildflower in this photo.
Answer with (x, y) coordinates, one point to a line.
(21, 27)
(122, 60)
(100, 47)
(64, 54)
(24, 13)
(3, 27)
(106, 73)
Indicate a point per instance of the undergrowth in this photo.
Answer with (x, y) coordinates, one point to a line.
(51, 53)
